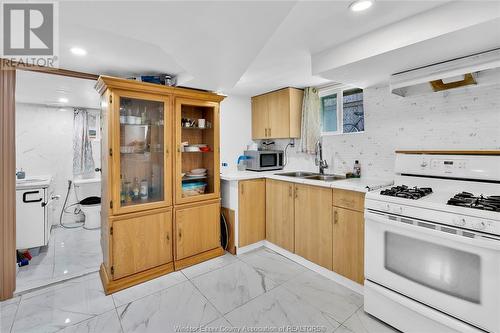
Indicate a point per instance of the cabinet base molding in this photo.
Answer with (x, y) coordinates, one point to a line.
(251, 247)
(196, 259)
(111, 286)
(354, 286)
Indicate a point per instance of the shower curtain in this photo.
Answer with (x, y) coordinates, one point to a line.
(83, 161)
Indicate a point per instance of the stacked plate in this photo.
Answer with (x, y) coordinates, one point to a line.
(197, 173)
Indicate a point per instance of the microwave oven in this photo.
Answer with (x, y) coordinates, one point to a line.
(264, 160)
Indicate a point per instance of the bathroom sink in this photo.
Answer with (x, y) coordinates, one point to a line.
(30, 180)
(297, 174)
(326, 178)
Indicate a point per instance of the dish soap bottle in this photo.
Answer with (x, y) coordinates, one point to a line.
(357, 169)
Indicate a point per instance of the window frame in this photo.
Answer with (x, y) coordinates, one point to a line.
(339, 91)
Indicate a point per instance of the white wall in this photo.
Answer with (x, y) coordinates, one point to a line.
(44, 146)
(466, 118)
(235, 129)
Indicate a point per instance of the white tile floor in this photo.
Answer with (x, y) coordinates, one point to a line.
(70, 253)
(258, 289)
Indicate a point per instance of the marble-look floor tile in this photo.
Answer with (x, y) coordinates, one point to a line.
(147, 288)
(273, 265)
(57, 308)
(280, 308)
(107, 322)
(329, 296)
(361, 322)
(233, 285)
(8, 311)
(210, 265)
(178, 306)
(218, 325)
(34, 276)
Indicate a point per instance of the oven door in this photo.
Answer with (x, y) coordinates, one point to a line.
(446, 268)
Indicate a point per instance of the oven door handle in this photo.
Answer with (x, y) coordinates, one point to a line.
(480, 241)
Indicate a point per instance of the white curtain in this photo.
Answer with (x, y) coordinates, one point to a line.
(311, 126)
(83, 161)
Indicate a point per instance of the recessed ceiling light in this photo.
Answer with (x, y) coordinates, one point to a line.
(360, 5)
(78, 51)
(63, 100)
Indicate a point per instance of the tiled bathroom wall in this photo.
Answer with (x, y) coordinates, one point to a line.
(466, 118)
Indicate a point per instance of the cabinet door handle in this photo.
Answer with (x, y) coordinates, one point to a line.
(168, 237)
(335, 217)
(166, 151)
(296, 192)
(269, 131)
(178, 149)
(180, 233)
(242, 189)
(290, 192)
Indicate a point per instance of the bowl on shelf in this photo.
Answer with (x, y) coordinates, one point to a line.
(205, 149)
(191, 149)
(198, 171)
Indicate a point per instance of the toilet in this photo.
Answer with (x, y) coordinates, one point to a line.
(87, 188)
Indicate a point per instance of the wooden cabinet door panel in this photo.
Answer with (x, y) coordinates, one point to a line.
(280, 226)
(260, 121)
(197, 229)
(251, 211)
(279, 114)
(313, 224)
(348, 243)
(140, 242)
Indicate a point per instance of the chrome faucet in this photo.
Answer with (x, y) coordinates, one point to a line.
(319, 161)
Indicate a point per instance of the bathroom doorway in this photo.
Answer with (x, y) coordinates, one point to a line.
(57, 179)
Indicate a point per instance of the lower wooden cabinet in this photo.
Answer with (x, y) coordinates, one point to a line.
(140, 241)
(197, 229)
(280, 227)
(348, 243)
(251, 211)
(313, 224)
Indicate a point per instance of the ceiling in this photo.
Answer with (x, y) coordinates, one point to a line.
(235, 47)
(47, 89)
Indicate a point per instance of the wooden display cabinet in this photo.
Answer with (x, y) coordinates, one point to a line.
(197, 147)
(143, 201)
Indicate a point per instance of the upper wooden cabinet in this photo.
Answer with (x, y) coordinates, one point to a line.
(280, 228)
(251, 211)
(277, 114)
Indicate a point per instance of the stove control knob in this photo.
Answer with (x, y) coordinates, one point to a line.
(480, 225)
(423, 164)
(387, 207)
(460, 222)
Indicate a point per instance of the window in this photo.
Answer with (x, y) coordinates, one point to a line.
(342, 115)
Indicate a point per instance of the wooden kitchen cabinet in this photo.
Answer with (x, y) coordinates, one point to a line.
(145, 198)
(141, 241)
(280, 227)
(251, 211)
(313, 224)
(197, 230)
(348, 243)
(277, 114)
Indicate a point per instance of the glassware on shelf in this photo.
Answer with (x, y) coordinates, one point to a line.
(144, 190)
(135, 189)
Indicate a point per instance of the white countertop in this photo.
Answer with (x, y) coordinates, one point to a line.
(352, 184)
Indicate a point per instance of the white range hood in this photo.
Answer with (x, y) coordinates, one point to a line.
(482, 68)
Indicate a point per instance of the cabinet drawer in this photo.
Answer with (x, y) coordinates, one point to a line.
(349, 199)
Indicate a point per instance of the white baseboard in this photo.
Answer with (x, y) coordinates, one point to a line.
(354, 286)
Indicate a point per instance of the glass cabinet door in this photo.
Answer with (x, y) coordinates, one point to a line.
(142, 178)
(197, 163)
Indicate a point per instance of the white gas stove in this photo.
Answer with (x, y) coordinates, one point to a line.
(432, 244)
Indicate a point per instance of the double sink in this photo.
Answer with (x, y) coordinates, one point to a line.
(311, 176)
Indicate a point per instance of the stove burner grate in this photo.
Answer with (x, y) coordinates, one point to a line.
(406, 192)
(466, 199)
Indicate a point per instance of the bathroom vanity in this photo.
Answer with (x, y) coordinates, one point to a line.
(160, 180)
